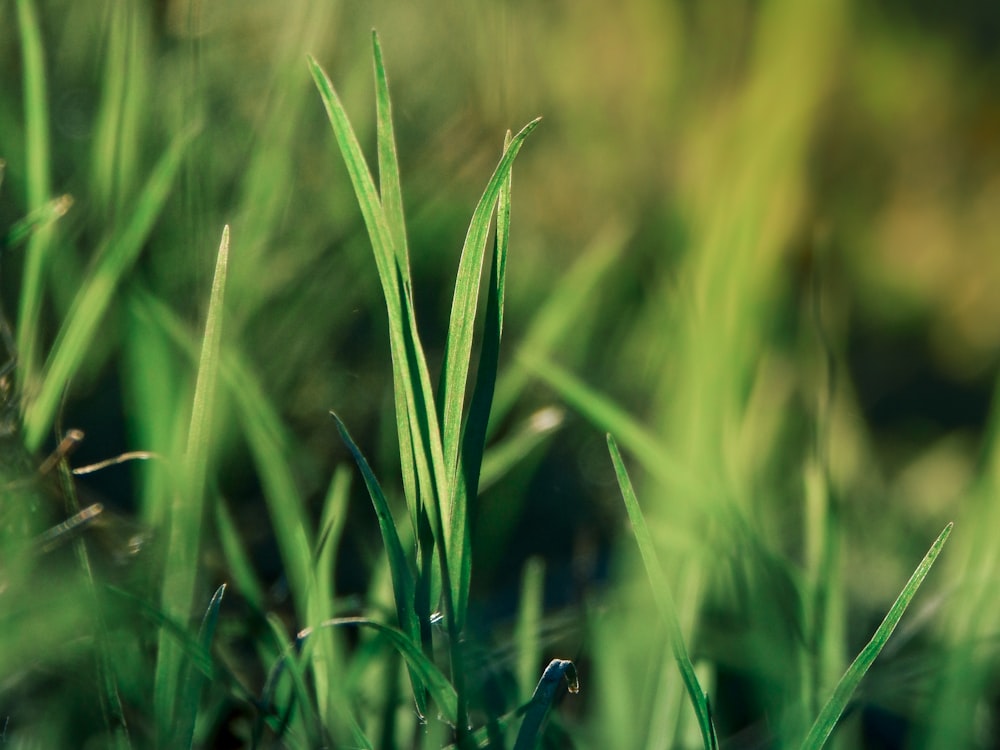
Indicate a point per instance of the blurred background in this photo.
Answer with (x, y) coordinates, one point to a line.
(772, 233)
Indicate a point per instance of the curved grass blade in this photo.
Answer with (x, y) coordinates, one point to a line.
(90, 304)
(437, 684)
(388, 162)
(830, 715)
(541, 701)
(403, 585)
(664, 599)
(194, 681)
(424, 477)
(188, 507)
(458, 347)
(477, 421)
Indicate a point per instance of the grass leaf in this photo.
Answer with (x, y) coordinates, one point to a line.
(402, 579)
(830, 715)
(388, 163)
(194, 681)
(36, 129)
(95, 296)
(458, 348)
(664, 599)
(541, 701)
(437, 684)
(187, 512)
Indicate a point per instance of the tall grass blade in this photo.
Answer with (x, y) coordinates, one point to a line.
(187, 512)
(416, 418)
(36, 129)
(835, 706)
(458, 347)
(269, 445)
(664, 599)
(388, 163)
(477, 421)
(93, 299)
(391, 200)
(541, 701)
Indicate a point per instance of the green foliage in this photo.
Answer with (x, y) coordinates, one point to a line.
(707, 236)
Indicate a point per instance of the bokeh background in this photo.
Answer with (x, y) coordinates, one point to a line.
(772, 231)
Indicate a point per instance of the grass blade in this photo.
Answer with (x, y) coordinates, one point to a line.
(36, 129)
(269, 444)
(388, 163)
(419, 435)
(188, 506)
(541, 701)
(835, 706)
(477, 422)
(403, 585)
(664, 599)
(97, 293)
(458, 348)
(194, 681)
(529, 623)
(437, 684)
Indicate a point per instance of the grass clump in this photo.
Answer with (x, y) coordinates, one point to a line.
(282, 603)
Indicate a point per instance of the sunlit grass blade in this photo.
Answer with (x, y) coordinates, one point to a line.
(664, 599)
(269, 445)
(440, 689)
(194, 681)
(835, 706)
(388, 163)
(187, 512)
(541, 701)
(416, 418)
(402, 578)
(458, 348)
(477, 421)
(36, 128)
(93, 299)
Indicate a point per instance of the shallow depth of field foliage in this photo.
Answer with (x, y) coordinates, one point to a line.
(745, 273)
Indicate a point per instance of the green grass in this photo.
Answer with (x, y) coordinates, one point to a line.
(690, 265)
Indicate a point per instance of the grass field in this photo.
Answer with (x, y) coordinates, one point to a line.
(666, 420)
